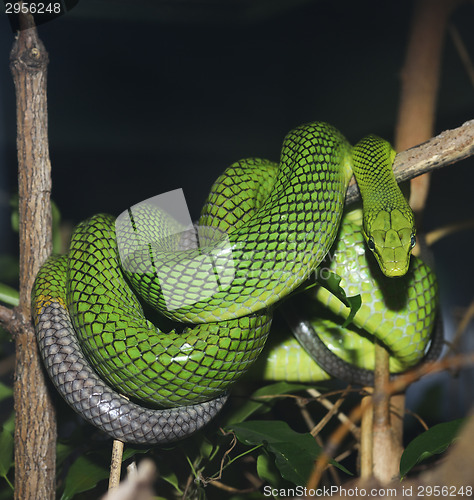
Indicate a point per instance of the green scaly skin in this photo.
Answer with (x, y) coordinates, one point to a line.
(388, 219)
(168, 368)
(280, 222)
(400, 313)
(276, 245)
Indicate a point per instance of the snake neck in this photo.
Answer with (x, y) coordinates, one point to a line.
(388, 223)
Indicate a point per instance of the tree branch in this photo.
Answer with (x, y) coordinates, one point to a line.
(35, 424)
(445, 149)
(7, 318)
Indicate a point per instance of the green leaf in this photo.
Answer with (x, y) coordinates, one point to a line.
(9, 295)
(294, 462)
(56, 227)
(83, 476)
(6, 456)
(15, 220)
(294, 452)
(331, 281)
(63, 451)
(429, 443)
(9, 424)
(5, 391)
(129, 452)
(9, 268)
(255, 404)
(267, 470)
(206, 448)
(169, 476)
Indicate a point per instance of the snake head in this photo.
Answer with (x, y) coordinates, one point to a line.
(390, 235)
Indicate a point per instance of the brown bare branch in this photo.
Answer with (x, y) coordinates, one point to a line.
(115, 464)
(35, 425)
(386, 444)
(451, 146)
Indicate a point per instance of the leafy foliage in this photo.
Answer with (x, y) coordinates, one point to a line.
(432, 442)
(294, 452)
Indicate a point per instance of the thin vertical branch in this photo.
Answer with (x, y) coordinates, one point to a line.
(386, 443)
(115, 464)
(366, 438)
(35, 424)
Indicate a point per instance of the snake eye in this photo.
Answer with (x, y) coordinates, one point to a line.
(413, 240)
(371, 244)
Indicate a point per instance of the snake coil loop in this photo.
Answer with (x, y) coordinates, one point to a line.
(278, 223)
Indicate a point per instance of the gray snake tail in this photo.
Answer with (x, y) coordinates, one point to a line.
(103, 407)
(309, 339)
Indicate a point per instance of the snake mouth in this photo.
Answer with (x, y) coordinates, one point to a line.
(395, 272)
(393, 269)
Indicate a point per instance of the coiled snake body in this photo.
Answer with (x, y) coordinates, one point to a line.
(266, 227)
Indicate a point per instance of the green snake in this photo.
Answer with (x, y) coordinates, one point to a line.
(263, 231)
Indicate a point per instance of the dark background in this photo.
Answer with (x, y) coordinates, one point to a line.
(149, 96)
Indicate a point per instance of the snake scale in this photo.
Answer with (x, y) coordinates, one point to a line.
(266, 228)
